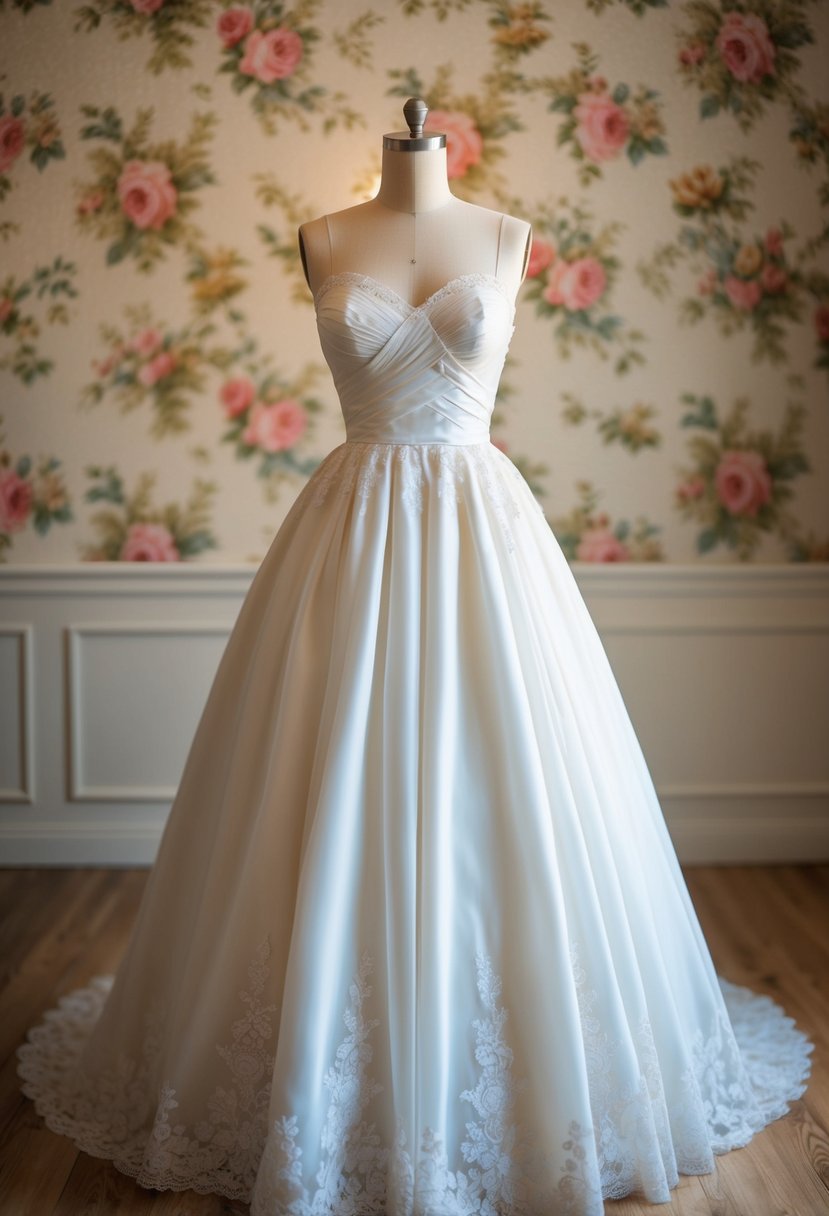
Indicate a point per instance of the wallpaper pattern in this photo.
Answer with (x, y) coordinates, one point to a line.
(162, 392)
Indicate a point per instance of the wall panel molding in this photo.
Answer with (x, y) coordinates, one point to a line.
(17, 744)
(724, 669)
(81, 732)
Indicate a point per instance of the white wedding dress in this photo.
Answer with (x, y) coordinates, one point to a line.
(416, 941)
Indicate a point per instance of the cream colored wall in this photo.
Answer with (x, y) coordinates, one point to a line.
(667, 403)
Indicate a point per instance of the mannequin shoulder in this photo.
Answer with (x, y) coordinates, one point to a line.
(516, 239)
(317, 229)
(514, 234)
(313, 246)
(314, 237)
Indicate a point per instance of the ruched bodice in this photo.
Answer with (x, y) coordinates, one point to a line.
(415, 374)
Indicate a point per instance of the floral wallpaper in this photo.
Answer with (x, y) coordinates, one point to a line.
(162, 392)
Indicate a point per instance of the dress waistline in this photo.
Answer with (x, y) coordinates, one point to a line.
(421, 443)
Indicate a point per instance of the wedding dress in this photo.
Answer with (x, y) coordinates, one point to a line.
(416, 941)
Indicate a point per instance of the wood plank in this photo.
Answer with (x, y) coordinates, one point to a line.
(96, 1188)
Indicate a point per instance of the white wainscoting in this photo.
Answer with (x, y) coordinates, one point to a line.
(105, 668)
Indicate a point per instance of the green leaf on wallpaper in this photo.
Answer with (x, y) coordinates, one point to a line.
(790, 466)
(707, 540)
(620, 93)
(24, 464)
(192, 179)
(709, 106)
(16, 105)
(41, 156)
(606, 326)
(792, 35)
(88, 18)
(110, 490)
(116, 252)
(43, 518)
(196, 542)
(706, 415)
(109, 127)
(691, 311)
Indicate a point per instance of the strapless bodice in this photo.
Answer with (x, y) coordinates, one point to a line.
(405, 373)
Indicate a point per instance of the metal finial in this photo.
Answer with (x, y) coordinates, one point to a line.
(413, 140)
(415, 111)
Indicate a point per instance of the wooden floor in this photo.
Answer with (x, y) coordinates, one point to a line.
(766, 927)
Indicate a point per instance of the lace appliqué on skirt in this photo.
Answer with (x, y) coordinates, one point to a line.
(742, 1074)
(750, 1049)
(359, 1173)
(353, 469)
(124, 1114)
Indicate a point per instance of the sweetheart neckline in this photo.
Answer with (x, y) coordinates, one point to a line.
(385, 291)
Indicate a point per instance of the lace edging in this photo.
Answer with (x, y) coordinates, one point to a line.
(389, 295)
(776, 1053)
(122, 1113)
(741, 1075)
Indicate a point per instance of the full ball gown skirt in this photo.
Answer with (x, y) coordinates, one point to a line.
(416, 941)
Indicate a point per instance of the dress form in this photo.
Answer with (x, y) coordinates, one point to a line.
(415, 235)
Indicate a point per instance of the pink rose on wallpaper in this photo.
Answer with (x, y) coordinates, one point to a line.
(744, 294)
(707, 283)
(236, 395)
(821, 319)
(6, 307)
(745, 46)
(464, 145)
(148, 196)
(156, 369)
(105, 366)
(773, 278)
(15, 501)
(774, 242)
(541, 255)
(600, 545)
(576, 284)
(500, 444)
(603, 127)
(271, 56)
(692, 53)
(12, 140)
(234, 24)
(146, 342)
(90, 202)
(148, 543)
(694, 487)
(146, 6)
(552, 291)
(274, 427)
(743, 482)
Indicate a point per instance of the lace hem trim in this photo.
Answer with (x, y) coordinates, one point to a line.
(634, 1144)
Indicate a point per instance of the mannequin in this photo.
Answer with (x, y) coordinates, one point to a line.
(415, 235)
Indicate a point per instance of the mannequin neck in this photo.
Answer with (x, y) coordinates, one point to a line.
(414, 181)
